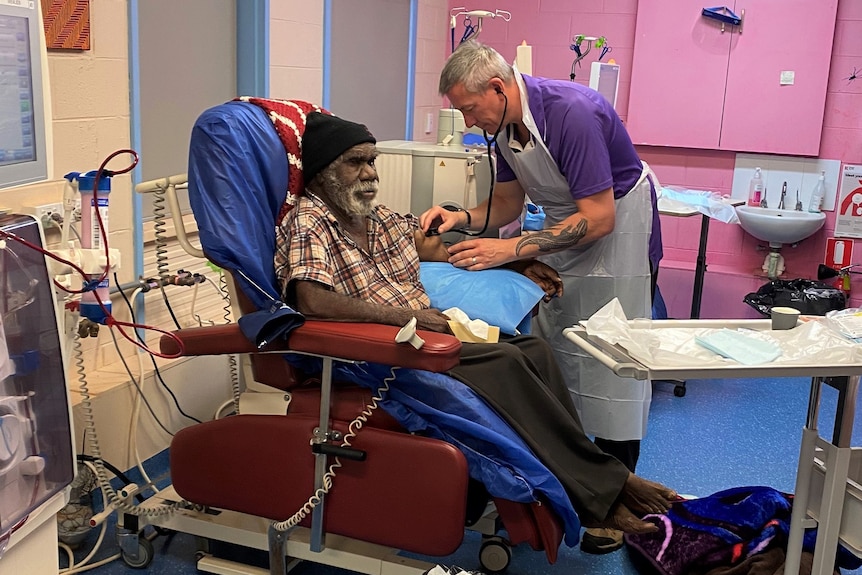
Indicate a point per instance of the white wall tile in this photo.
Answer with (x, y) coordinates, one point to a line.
(799, 173)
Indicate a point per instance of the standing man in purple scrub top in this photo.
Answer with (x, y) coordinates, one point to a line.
(563, 146)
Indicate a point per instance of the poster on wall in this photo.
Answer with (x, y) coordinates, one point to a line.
(66, 24)
(848, 217)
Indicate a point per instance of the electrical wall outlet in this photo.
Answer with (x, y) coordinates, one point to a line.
(43, 213)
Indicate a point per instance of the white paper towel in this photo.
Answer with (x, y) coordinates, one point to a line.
(477, 327)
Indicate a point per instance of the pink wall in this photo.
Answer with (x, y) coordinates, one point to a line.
(432, 23)
(733, 257)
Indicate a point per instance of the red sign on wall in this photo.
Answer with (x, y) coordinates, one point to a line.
(839, 253)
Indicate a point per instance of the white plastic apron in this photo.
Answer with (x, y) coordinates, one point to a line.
(616, 265)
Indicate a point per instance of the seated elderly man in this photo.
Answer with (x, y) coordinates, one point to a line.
(341, 256)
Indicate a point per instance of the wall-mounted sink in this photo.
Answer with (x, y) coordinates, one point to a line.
(779, 226)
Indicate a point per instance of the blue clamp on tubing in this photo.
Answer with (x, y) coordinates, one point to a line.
(534, 220)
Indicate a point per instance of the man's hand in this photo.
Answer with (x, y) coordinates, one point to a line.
(543, 275)
(482, 253)
(439, 220)
(432, 320)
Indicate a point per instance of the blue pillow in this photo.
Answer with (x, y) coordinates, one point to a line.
(500, 297)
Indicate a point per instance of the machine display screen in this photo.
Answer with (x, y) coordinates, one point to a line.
(17, 129)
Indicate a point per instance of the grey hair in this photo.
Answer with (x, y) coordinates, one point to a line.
(474, 65)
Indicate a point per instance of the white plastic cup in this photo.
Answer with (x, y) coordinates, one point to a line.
(784, 317)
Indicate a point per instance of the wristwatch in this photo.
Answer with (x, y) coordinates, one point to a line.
(452, 208)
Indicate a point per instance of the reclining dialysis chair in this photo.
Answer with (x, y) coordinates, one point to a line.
(393, 490)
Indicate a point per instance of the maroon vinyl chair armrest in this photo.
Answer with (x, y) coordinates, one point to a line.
(353, 341)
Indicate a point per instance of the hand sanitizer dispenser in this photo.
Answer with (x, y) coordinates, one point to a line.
(816, 202)
(755, 189)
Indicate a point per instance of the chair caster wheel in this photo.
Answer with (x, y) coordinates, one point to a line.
(495, 554)
(144, 556)
(679, 391)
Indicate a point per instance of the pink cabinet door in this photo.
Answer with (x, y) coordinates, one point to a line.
(695, 86)
(761, 114)
(678, 75)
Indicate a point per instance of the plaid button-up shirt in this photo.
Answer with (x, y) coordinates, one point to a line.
(312, 246)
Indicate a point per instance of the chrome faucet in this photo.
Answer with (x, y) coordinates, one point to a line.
(763, 198)
(783, 193)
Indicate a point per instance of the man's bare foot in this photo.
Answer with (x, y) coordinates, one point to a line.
(643, 496)
(621, 518)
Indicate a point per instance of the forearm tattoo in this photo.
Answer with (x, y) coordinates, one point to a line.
(552, 241)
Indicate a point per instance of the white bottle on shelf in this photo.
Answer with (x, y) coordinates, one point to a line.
(755, 189)
(816, 202)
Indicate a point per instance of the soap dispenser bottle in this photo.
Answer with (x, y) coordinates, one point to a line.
(755, 189)
(816, 202)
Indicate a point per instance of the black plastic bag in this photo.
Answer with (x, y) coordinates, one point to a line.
(808, 296)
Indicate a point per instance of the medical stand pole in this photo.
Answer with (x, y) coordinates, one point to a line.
(699, 268)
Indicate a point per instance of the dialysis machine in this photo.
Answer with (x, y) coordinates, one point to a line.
(37, 457)
(417, 175)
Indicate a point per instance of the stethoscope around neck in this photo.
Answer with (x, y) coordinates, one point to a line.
(490, 141)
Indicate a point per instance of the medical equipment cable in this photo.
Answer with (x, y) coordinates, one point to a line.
(352, 430)
(103, 171)
(89, 282)
(233, 365)
(195, 316)
(84, 458)
(82, 565)
(168, 305)
(159, 229)
(66, 225)
(30, 294)
(111, 321)
(157, 372)
(79, 363)
(61, 221)
(134, 419)
(113, 501)
(163, 272)
(138, 387)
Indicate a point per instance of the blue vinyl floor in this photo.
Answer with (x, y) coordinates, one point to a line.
(722, 434)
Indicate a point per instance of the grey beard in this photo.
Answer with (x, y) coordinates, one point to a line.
(347, 199)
